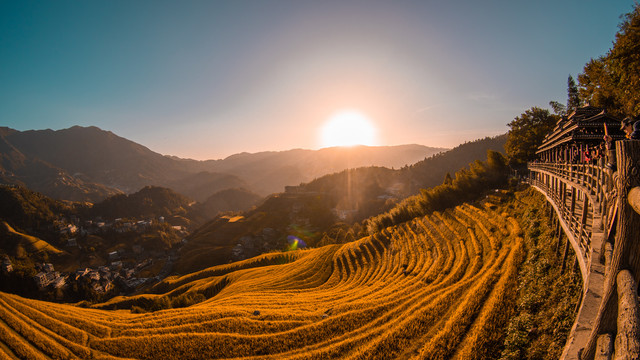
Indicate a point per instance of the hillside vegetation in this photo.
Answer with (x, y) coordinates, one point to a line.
(435, 287)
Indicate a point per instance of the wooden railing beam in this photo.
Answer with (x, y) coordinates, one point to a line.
(634, 198)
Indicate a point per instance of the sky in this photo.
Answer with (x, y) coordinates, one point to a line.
(208, 79)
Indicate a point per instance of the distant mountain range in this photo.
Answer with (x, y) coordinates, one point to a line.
(90, 164)
(311, 210)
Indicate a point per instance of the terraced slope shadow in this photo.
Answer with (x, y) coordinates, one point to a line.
(431, 288)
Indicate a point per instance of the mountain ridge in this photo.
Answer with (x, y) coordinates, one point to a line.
(113, 164)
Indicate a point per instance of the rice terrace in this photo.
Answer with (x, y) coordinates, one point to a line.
(358, 180)
(436, 287)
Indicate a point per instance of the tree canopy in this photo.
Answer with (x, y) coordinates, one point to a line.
(573, 97)
(526, 133)
(612, 81)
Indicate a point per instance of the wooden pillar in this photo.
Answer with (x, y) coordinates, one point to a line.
(627, 343)
(627, 246)
(564, 197)
(564, 256)
(558, 243)
(583, 218)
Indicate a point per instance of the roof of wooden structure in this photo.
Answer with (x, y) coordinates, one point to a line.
(585, 125)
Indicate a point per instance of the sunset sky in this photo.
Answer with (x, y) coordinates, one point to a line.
(207, 79)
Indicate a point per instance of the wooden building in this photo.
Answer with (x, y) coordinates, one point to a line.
(578, 138)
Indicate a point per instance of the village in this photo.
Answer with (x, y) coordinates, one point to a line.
(116, 264)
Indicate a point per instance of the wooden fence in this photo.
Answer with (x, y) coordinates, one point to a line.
(598, 212)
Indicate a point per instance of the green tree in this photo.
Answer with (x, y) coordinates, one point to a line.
(613, 80)
(526, 133)
(573, 96)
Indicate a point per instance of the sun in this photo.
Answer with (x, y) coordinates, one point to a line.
(348, 128)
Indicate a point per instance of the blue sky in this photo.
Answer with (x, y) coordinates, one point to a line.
(207, 79)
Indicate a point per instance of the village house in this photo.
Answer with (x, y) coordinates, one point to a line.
(47, 267)
(6, 266)
(68, 229)
(82, 272)
(59, 282)
(43, 279)
(116, 266)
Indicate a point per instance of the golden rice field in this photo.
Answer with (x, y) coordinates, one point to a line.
(434, 288)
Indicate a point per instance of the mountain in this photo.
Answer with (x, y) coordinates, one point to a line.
(19, 169)
(98, 156)
(431, 171)
(90, 164)
(202, 185)
(24, 209)
(229, 200)
(316, 208)
(270, 172)
(148, 202)
(97, 163)
(29, 223)
(367, 191)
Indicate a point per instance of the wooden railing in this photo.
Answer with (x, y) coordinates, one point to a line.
(578, 193)
(594, 178)
(599, 212)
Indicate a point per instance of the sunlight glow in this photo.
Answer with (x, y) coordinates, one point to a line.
(348, 128)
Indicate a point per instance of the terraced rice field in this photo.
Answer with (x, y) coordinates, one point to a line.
(432, 288)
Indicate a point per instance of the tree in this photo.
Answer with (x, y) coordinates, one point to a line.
(624, 61)
(597, 86)
(573, 97)
(526, 133)
(447, 179)
(496, 161)
(558, 108)
(613, 80)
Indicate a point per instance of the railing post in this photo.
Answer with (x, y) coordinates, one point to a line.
(583, 218)
(559, 241)
(564, 256)
(564, 198)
